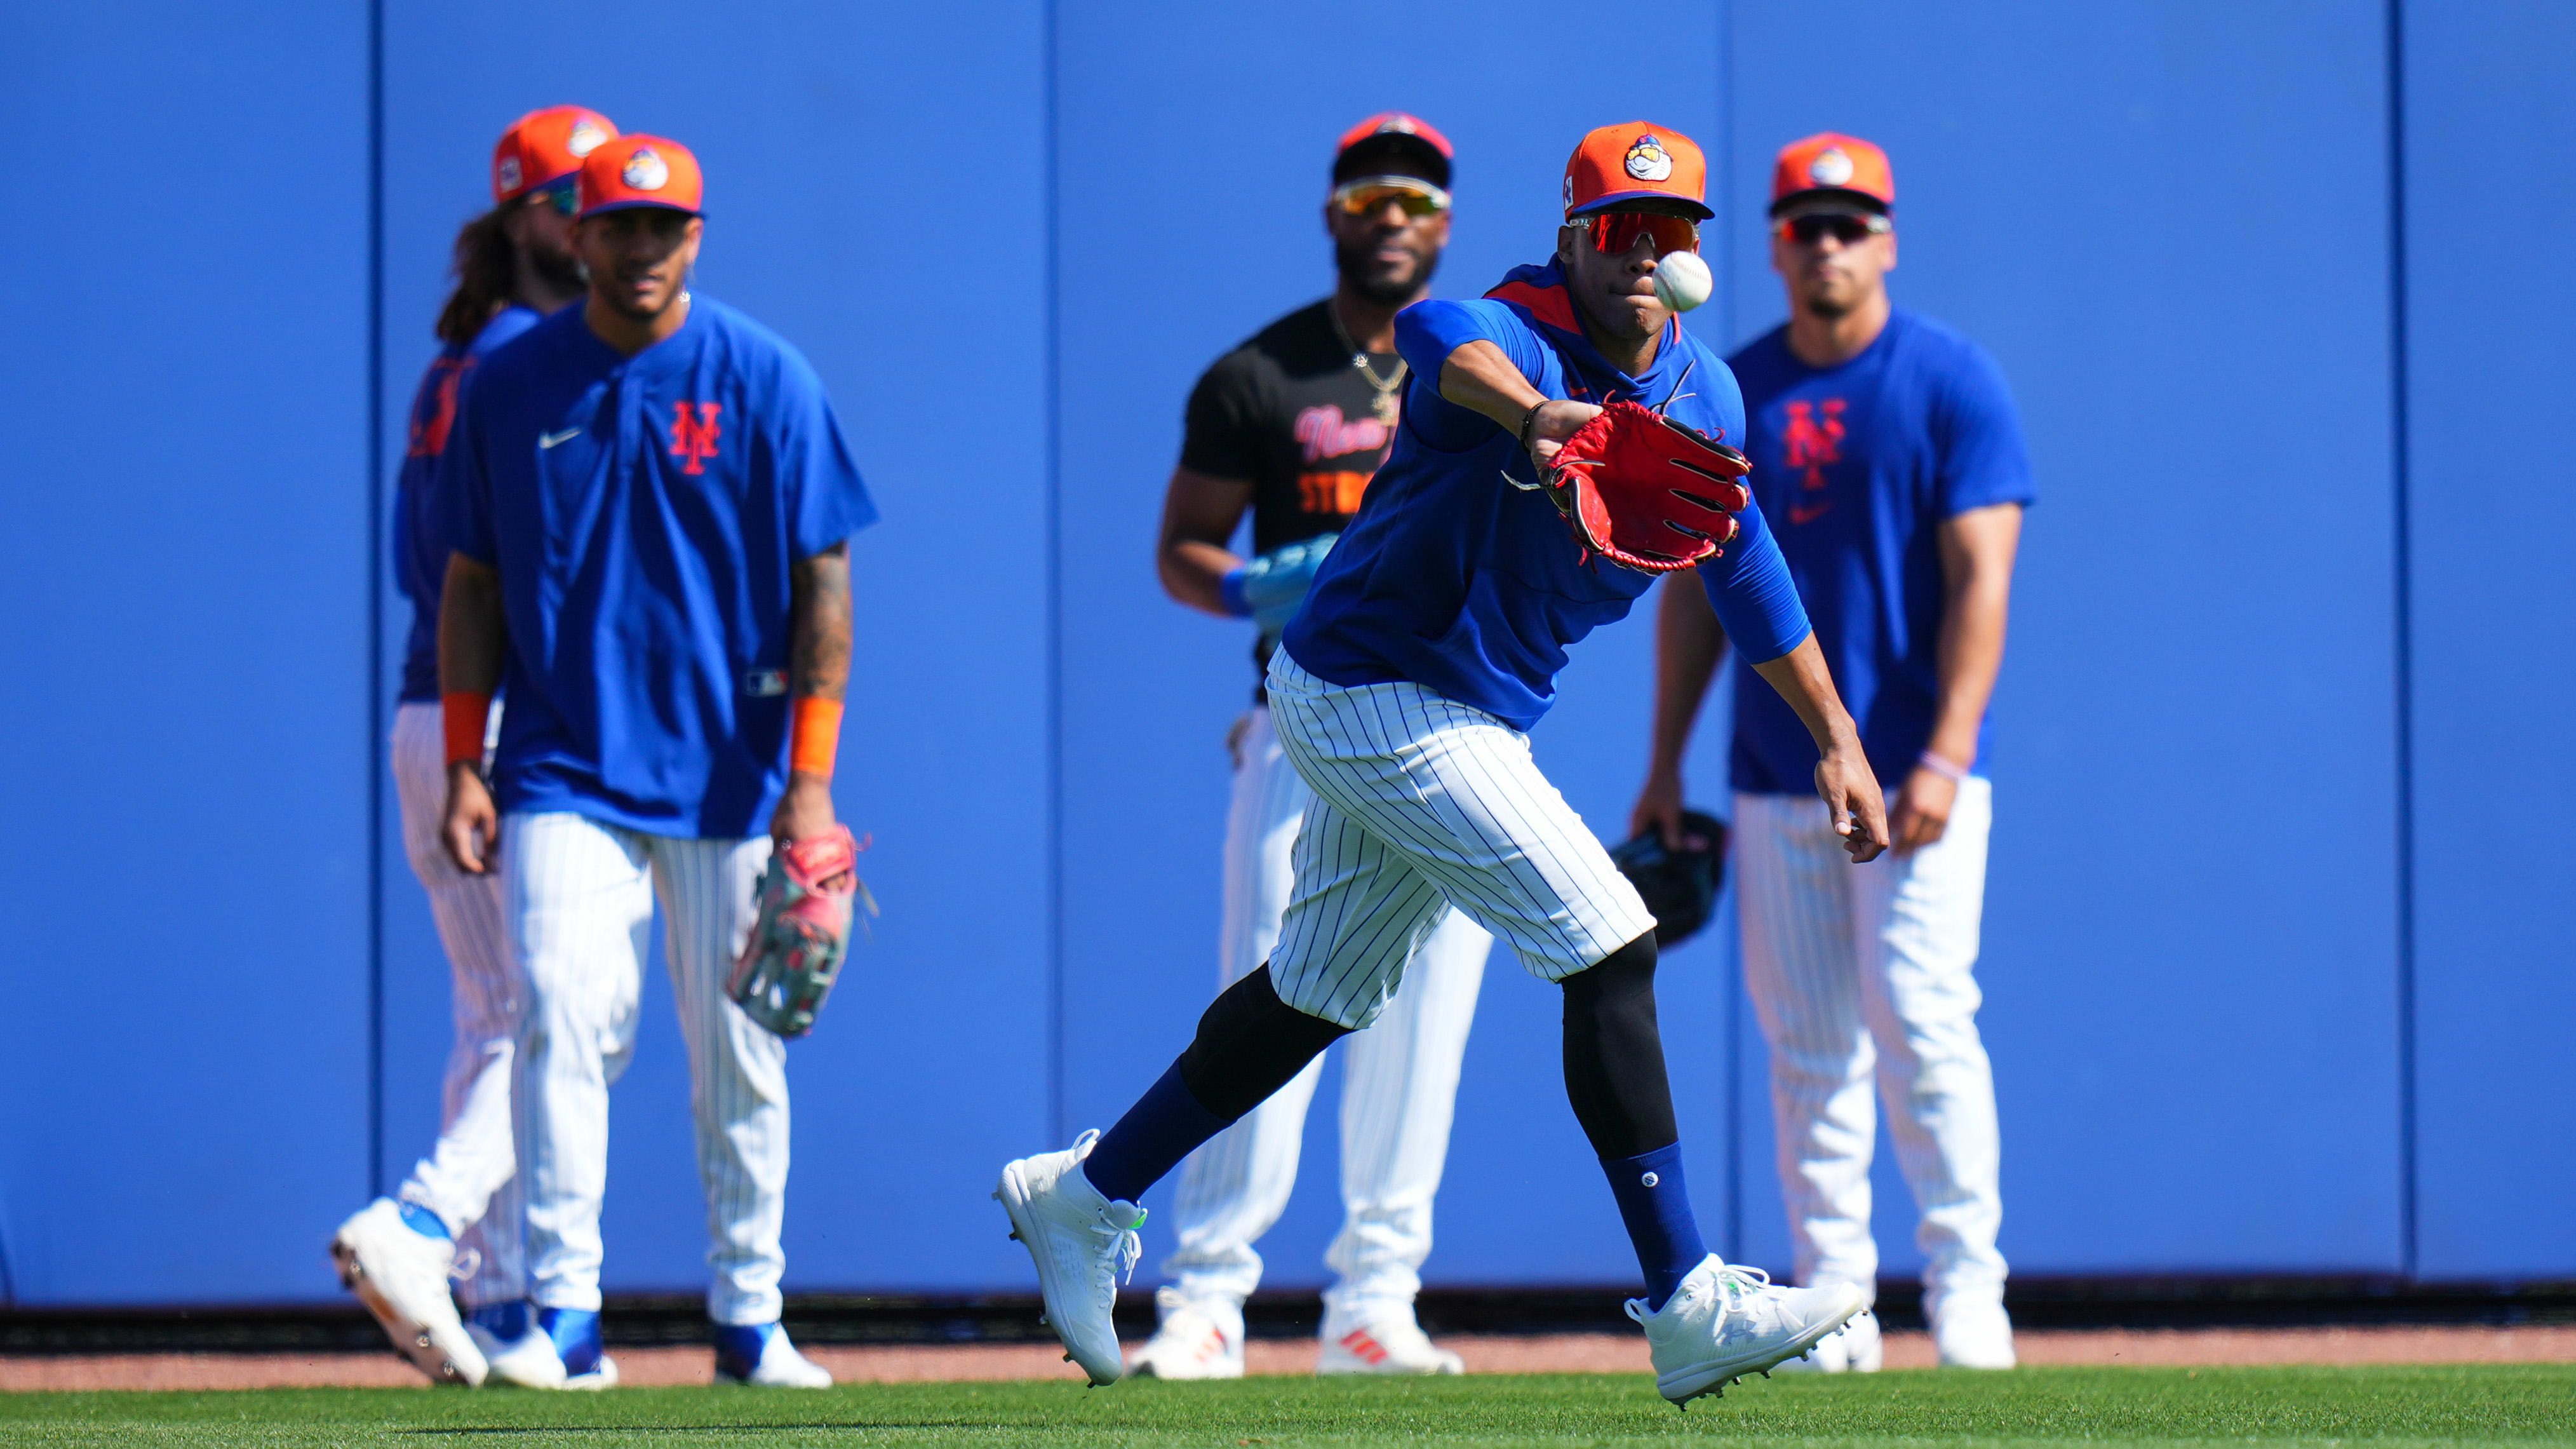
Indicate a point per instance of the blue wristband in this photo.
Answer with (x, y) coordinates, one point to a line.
(1230, 589)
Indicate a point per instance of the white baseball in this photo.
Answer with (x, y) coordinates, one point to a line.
(1681, 280)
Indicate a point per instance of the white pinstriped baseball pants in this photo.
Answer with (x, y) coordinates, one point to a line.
(581, 898)
(1420, 803)
(1399, 1083)
(1869, 970)
(470, 1177)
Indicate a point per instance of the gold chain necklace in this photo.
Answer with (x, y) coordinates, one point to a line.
(1386, 403)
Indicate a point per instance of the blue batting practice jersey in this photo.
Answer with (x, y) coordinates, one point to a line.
(1454, 579)
(643, 513)
(1856, 466)
(420, 548)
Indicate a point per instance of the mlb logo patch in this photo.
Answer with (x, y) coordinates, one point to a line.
(508, 177)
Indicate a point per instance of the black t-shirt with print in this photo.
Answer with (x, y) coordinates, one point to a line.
(1287, 412)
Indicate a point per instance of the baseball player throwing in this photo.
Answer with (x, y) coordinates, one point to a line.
(514, 264)
(1889, 458)
(1290, 426)
(651, 502)
(1530, 483)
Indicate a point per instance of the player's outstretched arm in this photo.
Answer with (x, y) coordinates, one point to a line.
(818, 679)
(1200, 512)
(1478, 375)
(1689, 642)
(472, 640)
(1843, 778)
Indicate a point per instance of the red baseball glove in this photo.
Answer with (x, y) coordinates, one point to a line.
(794, 951)
(1646, 492)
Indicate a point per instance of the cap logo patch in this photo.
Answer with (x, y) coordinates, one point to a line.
(586, 137)
(1395, 126)
(509, 173)
(1830, 168)
(1649, 161)
(645, 171)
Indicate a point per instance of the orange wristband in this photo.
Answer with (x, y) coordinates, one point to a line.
(816, 737)
(465, 716)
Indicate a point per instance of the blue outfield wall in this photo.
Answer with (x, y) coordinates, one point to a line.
(2493, 639)
(183, 1052)
(2170, 222)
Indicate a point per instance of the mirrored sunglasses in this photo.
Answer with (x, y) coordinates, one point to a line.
(1843, 226)
(564, 196)
(1366, 196)
(1614, 232)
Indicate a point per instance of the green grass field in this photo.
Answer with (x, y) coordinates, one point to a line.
(2487, 1404)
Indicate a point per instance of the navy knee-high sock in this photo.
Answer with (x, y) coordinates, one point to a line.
(1248, 1045)
(1655, 1205)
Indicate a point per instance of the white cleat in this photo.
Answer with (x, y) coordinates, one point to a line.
(1855, 1350)
(780, 1366)
(1973, 1333)
(1083, 1243)
(527, 1362)
(1200, 1338)
(401, 1275)
(602, 1377)
(1393, 1344)
(1724, 1322)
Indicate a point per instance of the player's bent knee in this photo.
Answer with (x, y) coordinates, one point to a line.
(1249, 1044)
(1626, 970)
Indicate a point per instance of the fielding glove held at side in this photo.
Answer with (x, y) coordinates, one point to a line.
(1679, 886)
(1646, 492)
(1276, 583)
(797, 944)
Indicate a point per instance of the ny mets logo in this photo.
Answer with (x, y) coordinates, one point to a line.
(1810, 439)
(429, 434)
(694, 437)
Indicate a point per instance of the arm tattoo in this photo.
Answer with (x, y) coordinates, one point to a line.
(819, 624)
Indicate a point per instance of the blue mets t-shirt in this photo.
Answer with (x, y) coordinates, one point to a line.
(643, 513)
(420, 550)
(1856, 466)
(1458, 576)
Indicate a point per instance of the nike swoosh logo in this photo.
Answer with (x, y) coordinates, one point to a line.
(548, 440)
(1809, 515)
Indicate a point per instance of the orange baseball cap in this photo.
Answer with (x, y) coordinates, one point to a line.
(543, 147)
(1632, 161)
(634, 171)
(1830, 164)
(1393, 143)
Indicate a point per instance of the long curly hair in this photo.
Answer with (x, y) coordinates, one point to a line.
(487, 273)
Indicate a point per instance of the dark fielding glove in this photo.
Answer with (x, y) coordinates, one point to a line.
(1646, 492)
(796, 946)
(1680, 886)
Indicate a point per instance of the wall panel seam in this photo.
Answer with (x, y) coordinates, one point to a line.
(1734, 989)
(2402, 560)
(1052, 381)
(375, 575)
